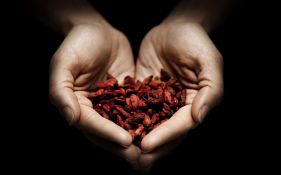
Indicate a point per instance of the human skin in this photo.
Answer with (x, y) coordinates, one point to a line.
(182, 46)
(92, 48)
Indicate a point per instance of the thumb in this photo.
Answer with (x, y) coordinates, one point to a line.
(61, 91)
(205, 99)
(210, 92)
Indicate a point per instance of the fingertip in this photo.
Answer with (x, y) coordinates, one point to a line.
(68, 114)
(204, 101)
(64, 99)
(131, 154)
(147, 144)
(125, 139)
(202, 114)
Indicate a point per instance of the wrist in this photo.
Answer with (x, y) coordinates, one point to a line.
(206, 13)
(182, 17)
(184, 21)
(78, 19)
(64, 15)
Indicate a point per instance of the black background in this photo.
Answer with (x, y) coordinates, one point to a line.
(237, 135)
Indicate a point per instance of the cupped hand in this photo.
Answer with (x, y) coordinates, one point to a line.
(88, 53)
(186, 51)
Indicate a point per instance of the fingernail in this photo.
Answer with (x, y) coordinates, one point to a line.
(68, 114)
(202, 113)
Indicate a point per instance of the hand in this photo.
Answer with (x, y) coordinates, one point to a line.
(186, 51)
(87, 54)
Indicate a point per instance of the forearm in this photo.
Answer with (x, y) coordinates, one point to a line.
(62, 15)
(208, 13)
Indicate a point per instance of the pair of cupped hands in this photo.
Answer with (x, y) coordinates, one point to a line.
(91, 51)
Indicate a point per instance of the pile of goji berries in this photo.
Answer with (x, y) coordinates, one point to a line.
(139, 107)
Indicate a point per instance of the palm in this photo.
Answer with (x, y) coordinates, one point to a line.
(188, 54)
(85, 57)
(94, 61)
(173, 51)
(116, 65)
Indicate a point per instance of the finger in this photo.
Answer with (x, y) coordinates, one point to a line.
(93, 123)
(210, 89)
(148, 62)
(175, 127)
(61, 90)
(143, 70)
(131, 153)
(190, 94)
(124, 62)
(147, 160)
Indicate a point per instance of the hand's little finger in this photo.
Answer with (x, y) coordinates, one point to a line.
(146, 160)
(175, 127)
(131, 153)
